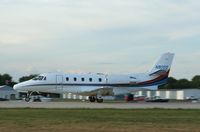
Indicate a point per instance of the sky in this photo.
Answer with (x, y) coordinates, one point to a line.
(107, 36)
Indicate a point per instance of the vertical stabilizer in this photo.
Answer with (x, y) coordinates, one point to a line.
(162, 65)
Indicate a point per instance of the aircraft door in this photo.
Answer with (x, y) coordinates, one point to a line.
(59, 82)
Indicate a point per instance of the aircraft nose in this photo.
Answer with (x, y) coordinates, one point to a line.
(20, 86)
(15, 87)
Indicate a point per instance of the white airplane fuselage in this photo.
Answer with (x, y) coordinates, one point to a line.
(85, 84)
(92, 84)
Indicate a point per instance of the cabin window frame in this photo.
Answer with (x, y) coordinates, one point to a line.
(83, 79)
(90, 79)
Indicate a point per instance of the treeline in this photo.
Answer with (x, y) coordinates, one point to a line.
(182, 83)
(6, 79)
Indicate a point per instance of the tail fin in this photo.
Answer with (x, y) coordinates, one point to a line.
(162, 65)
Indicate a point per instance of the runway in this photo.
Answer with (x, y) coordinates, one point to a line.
(88, 105)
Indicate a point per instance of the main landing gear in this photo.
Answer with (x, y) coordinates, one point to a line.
(99, 99)
(29, 94)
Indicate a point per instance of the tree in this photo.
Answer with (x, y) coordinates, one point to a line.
(196, 78)
(184, 83)
(6, 79)
(172, 80)
(25, 78)
(181, 83)
(171, 84)
(196, 81)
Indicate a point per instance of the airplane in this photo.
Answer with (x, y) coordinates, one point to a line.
(97, 85)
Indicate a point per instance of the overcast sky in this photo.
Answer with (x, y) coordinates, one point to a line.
(110, 36)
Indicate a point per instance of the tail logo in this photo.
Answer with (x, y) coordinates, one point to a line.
(162, 67)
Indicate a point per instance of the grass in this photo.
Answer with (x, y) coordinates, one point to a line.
(99, 120)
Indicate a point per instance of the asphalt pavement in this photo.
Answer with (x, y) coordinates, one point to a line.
(113, 105)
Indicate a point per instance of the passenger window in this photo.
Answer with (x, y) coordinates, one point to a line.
(100, 80)
(75, 79)
(90, 79)
(82, 79)
(67, 79)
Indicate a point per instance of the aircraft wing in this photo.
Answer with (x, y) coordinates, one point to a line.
(104, 91)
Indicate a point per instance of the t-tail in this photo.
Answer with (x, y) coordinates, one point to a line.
(162, 65)
(159, 72)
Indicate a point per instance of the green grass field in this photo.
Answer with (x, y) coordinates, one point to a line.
(99, 120)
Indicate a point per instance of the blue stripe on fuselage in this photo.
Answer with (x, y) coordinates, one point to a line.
(159, 82)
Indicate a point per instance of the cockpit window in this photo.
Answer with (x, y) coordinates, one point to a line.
(40, 78)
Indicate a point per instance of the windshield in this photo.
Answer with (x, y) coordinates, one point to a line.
(40, 78)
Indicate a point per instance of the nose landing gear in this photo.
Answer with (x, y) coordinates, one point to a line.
(27, 99)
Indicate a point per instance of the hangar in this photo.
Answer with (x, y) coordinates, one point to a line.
(176, 94)
(7, 92)
(74, 96)
(172, 94)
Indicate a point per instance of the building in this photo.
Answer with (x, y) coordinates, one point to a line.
(73, 96)
(173, 94)
(9, 93)
(176, 94)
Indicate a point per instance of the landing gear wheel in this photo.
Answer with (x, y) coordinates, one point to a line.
(100, 100)
(92, 98)
(27, 99)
